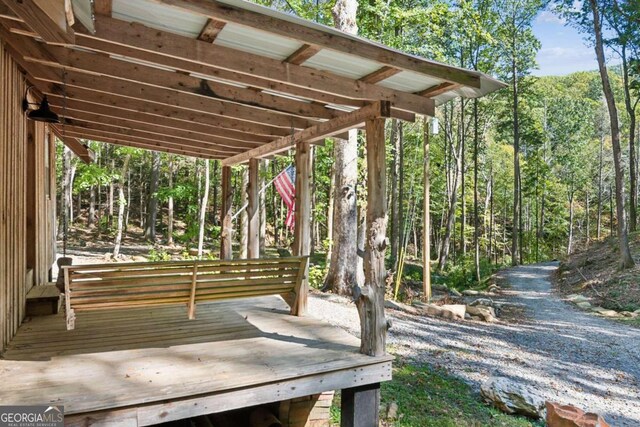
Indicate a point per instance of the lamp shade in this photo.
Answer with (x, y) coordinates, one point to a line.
(43, 113)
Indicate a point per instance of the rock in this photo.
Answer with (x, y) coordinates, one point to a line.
(584, 305)
(469, 292)
(138, 258)
(456, 311)
(570, 416)
(487, 314)
(392, 411)
(628, 314)
(494, 288)
(609, 313)
(637, 312)
(454, 292)
(512, 397)
(575, 298)
(450, 311)
(194, 251)
(401, 307)
(605, 312)
(482, 301)
(440, 287)
(467, 316)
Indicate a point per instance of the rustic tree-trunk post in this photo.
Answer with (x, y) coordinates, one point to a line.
(426, 218)
(170, 205)
(264, 165)
(302, 231)
(370, 297)
(226, 233)
(244, 214)
(253, 210)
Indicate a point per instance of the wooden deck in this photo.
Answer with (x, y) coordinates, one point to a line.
(146, 366)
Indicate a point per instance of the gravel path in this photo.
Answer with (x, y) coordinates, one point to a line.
(569, 356)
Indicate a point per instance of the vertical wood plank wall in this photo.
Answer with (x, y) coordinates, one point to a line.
(27, 200)
(12, 198)
(41, 205)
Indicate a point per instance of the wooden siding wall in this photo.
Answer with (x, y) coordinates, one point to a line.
(41, 202)
(13, 153)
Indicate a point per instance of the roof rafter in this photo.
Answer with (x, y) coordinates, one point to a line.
(329, 39)
(164, 43)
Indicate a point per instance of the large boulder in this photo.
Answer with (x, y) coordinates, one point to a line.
(484, 312)
(470, 292)
(569, 416)
(512, 398)
(447, 311)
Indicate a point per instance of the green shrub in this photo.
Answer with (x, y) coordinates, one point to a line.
(158, 255)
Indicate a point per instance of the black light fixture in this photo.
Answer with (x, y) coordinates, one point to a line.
(41, 114)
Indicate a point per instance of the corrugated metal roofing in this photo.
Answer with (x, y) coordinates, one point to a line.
(267, 44)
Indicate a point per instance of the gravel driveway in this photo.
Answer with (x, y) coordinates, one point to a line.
(569, 356)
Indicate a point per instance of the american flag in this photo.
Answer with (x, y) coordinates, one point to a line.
(285, 184)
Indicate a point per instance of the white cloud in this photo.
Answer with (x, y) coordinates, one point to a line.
(546, 16)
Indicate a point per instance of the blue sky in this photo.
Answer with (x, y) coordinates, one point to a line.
(564, 50)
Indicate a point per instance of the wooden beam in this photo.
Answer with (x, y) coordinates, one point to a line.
(370, 298)
(438, 89)
(102, 7)
(45, 17)
(315, 133)
(42, 77)
(360, 406)
(302, 230)
(82, 109)
(83, 152)
(211, 30)
(300, 30)
(128, 143)
(253, 210)
(106, 122)
(164, 43)
(226, 211)
(105, 66)
(151, 144)
(380, 74)
(305, 52)
(212, 146)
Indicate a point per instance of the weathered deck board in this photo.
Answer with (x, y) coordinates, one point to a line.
(149, 357)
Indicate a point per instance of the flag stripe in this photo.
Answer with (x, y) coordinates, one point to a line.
(285, 185)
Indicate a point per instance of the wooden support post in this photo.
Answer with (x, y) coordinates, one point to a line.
(192, 296)
(370, 298)
(360, 406)
(302, 232)
(426, 219)
(226, 234)
(253, 210)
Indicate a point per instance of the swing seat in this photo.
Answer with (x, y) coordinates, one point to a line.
(152, 284)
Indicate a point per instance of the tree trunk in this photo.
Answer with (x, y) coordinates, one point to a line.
(262, 208)
(588, 223)
(633, 194)
(244, 217)
(599, 219)
(121, 204)
(626, 261)
(570, 241)
(214, 197)
(170, 202)
(341, 276)
(152, 209)
(91, 218)
(396, 200)
(515, 234)
(476, 216)
(463, 206)
(111, 193)
(426, 215)
(451, 213)
(203, 206)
